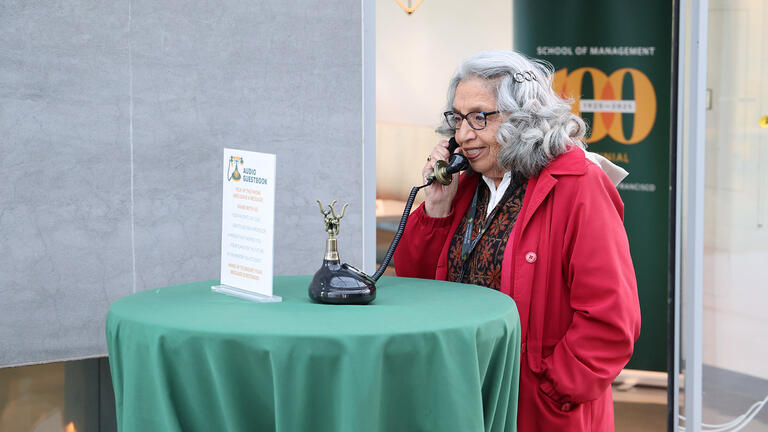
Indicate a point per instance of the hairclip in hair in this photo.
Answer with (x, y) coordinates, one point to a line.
(520, 77)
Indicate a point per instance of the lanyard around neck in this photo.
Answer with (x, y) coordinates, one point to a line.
(468, 245)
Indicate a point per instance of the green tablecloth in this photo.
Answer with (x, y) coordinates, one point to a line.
(424, 356)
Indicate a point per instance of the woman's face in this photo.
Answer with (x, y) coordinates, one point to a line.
(479, 146)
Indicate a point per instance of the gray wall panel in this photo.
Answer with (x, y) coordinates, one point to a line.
(65, 251)
(94, 98)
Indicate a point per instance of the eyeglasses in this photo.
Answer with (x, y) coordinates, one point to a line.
(476, 120)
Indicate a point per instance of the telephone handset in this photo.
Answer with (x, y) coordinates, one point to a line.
(444, 170)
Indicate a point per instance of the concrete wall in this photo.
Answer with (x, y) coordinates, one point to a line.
(113, 116)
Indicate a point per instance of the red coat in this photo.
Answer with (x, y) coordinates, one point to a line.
(568, 268)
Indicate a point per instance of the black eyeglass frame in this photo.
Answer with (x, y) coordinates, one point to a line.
(449, 114)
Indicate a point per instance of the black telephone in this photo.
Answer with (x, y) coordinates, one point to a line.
(340, 283)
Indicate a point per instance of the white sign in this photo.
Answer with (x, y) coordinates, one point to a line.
(248, 221)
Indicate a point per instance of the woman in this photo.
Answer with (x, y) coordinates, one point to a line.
(535, 218)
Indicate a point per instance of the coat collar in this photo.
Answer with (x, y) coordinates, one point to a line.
(572, 162)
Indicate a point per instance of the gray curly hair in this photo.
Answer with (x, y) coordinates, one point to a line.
(539, 125)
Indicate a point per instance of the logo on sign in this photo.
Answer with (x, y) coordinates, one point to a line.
(609, 103)
(233, 172)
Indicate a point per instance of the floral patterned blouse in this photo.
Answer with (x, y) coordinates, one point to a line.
(484, 263)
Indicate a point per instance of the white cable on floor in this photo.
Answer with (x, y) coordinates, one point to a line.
(738, 423)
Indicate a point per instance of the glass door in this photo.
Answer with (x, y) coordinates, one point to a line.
(735, 256)
(724, 346)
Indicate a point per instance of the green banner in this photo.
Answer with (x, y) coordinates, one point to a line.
(613, 58)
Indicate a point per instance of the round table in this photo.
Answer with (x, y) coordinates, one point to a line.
(424, 356)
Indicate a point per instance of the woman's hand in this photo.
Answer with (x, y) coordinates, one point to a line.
(439, 197)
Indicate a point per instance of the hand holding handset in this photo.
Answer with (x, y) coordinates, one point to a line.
(439, 175)
(444, 170)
